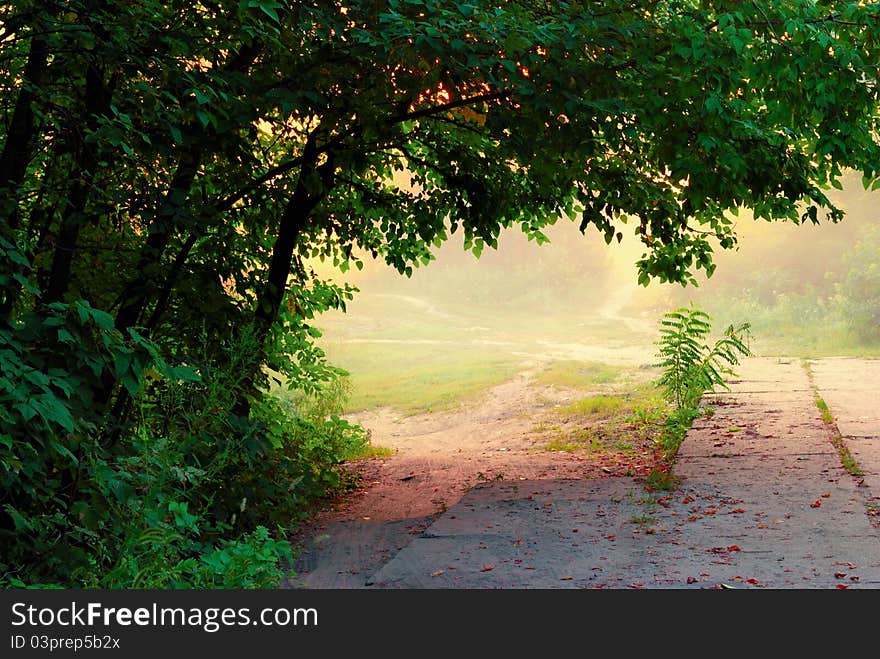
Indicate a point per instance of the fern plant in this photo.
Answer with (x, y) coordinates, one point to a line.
(690, 366)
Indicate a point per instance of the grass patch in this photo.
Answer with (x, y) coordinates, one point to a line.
(368, 452)
(846, 457)
(417, 378)
(643, 520)
(585, 440)
(418, 354)
(625, 428)
(596, 406)
(574, 374)
(827, 416)
(662, 478)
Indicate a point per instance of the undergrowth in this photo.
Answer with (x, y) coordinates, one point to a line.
(190, 494)
(691, 367)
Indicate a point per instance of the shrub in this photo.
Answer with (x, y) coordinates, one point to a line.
(690, 366)
(189, 494)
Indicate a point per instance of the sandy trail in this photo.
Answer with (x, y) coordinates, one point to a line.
(439, 456)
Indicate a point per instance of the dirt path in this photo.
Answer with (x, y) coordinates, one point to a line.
(439, 456)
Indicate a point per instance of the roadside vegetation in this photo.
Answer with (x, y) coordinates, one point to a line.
(635, 429)
(617, 431)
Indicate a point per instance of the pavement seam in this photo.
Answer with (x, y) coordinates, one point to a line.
(840, 443)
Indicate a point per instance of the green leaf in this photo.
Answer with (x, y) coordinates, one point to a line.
(53, 410)
(65, 337)
(22, 525)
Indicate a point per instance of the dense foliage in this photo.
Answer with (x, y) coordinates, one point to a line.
(168, 167)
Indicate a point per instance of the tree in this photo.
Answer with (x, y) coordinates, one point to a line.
(172, 164)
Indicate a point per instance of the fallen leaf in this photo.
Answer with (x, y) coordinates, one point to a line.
(687, 499)
(762, 526)
(738, 510)
(437, 573)
(816, 504)
(566, 578)
(733, 548)
(854, 578)
(692, 580)
(846, 563)
(694, 518)
(709, 511)
(752, 581)
(841, 586)
(840, 575)
(486, 568)
(826, 495)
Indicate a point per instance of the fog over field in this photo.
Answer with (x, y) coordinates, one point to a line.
(462, 322)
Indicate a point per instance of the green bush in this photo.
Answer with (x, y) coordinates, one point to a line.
(858, 292)
(189, 494)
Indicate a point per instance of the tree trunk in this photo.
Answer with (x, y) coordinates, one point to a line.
(97, 102)
(294, 219)
(136, 293)
(17, 154)
(17, 151)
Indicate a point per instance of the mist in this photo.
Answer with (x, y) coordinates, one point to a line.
(807, 290)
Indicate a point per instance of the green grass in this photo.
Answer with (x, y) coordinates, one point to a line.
(846, 457)
(583, 441)
(643, 520)
(419, 355)
(623, 424)
(797, 328)
(827, 416)
(578, 374)
(370, 451)
(417, 378)
(597, 406)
